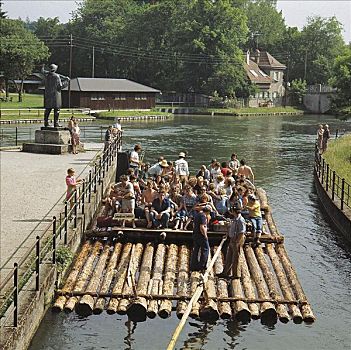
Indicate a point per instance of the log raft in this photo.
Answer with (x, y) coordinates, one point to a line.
(138, 274)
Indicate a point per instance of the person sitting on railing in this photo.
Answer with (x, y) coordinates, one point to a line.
(160, 210)
(72, 184)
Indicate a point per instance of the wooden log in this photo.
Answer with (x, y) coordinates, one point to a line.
(209, 310)
(284, 284)
(136, 311)
(195, 280)
(262, 196)
(72, 278)
(110, 270)
(240, 309)
(306, 309)
(183, 279)
(224, 308)
(130, 283)
(84, 276)
(86, 303)
(168, 282)
(272, 286)
(249, 288)
(120, 277)
(271, 225)
(267, 310)
(155, 282)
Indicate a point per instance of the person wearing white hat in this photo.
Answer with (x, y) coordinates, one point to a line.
(182, 168)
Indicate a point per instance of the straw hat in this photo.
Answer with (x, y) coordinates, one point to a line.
(181, 155)
(163, 163)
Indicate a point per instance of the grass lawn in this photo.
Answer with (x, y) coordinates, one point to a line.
(120, 113)
(29, 101)
(338, 156)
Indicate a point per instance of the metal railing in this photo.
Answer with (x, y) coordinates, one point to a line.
(332, 182)
(16, 136)
(44, 250)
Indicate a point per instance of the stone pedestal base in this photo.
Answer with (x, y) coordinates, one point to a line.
(61, 137)
(51, 141)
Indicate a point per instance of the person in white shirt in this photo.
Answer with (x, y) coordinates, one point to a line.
(134, 161)
(182, 168)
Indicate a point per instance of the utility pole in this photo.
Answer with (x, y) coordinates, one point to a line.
(70, 70)
(93, 67)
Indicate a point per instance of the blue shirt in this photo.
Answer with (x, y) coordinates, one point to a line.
(158, 206)
(199, 219)
(237, 226)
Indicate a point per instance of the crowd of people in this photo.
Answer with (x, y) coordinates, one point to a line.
(323, 135)
(168, 196)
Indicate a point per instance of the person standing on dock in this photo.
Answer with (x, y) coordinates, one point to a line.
(326, 137)
(200, 240)
(236, 236)
(320, 133)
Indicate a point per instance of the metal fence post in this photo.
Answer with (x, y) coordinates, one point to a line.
(333, 185)
(37, 263)
(16, 135)
(95, 174)
(323, 170)
(89, 188)
(75, 209)
(83, 196)
(101, 133)
(66, 223)
(100, 166)
(15, 295)
(342, 194)
(54, 240)
(327, 179)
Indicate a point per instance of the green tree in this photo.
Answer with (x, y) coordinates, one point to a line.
(341, 79)
(20, 50)
(322, 42)
(266, 24)
(298, 89)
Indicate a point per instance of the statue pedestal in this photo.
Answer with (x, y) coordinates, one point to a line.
(51, 141)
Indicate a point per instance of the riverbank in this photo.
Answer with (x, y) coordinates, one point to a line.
(259, 111)
(338, 156)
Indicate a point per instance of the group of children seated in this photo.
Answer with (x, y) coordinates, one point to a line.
(166, 195)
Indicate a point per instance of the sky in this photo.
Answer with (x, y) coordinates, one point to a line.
(294, 11)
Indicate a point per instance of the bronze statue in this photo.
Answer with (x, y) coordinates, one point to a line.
(52, 97)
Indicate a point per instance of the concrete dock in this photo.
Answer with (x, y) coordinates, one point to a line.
(32, 189)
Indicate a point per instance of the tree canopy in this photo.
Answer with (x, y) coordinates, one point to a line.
(20, 50)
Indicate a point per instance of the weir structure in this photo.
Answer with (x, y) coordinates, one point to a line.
(27, 288)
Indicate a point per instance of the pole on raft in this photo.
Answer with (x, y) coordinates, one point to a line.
(194, 298)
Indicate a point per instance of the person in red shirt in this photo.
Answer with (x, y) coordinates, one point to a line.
(225, 169)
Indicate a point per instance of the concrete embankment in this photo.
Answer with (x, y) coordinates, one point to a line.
(43, 182)
(40, 120)
(226, 113)
(340, 218)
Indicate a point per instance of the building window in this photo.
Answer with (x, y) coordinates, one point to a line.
(275, 94)
(276, 76)
(97, 98)
(140, 98)
(120, 97)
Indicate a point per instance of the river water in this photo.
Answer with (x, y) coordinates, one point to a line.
(280, 150)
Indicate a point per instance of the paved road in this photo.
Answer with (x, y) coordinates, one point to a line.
(31, 184)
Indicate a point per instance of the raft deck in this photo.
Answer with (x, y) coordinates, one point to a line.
(145, 272)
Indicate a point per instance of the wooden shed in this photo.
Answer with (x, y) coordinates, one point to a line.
(105, 93)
